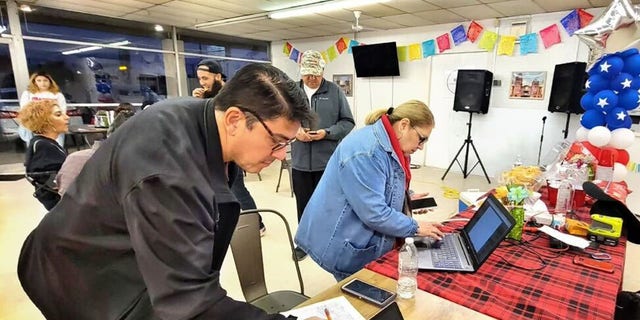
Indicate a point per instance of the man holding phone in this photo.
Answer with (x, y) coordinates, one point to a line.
(314, 146)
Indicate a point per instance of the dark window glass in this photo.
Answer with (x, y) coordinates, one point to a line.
(101, 75)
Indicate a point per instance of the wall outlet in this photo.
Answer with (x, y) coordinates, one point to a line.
(497, 83)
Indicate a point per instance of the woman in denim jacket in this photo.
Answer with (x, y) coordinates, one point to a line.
(356, 212)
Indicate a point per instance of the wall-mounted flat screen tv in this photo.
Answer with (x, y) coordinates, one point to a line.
(376, 60)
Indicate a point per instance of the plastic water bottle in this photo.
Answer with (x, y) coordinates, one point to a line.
(407, 270)
(518, 161)
(564, 203)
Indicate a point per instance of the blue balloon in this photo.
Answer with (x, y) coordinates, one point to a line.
(610, 66)
(635, 84)
(605, 100)
(622, 81)
(632, 65)
(103, 87)
(596, 83)
(618, 118)
(586, 102)
(628, 52)
(629, 99)
(592, 118)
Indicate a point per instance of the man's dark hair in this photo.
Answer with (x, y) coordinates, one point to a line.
(267, 91)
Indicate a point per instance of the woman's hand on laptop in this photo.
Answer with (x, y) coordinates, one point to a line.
(429, 229)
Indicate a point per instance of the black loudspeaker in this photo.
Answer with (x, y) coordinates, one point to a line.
(473, 90)
(568, 87)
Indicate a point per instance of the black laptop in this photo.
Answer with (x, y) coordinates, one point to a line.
(468, 250)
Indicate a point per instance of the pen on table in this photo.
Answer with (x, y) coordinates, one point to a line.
(326, 313)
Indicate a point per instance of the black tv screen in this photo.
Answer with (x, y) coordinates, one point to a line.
(376, 60)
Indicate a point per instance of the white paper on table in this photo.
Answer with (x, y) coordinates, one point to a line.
(339, 308)
(566, 238)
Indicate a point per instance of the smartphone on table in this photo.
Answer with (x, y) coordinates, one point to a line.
(423, 204)
(369, 292)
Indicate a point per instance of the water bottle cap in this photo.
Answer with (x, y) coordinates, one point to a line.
(408, 240)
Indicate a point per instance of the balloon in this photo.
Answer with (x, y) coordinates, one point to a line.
(596, 83)
(605, 100)
(622, 81)
(623, 157)
(620, 13)
(619, 172)
(586, 102)
(609, 67)
(629, 99)
(632, 64)
(622, 138)
(592, 118)
(618, 118)
(581, 134)
(595, 151)
(599, 136)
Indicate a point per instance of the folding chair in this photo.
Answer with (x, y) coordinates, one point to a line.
(246, 248)
(286, 165)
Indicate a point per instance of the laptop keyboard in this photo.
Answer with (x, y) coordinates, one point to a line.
(446, 256)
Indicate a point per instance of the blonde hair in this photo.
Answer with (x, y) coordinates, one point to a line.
(33, 87)
(36, 115)
(416, 111)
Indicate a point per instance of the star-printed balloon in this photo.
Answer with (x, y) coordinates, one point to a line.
(619, 14)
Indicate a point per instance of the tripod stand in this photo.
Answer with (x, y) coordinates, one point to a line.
(468, 142)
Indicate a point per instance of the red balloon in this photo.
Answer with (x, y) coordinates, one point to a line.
(595, 151)
(623, 157)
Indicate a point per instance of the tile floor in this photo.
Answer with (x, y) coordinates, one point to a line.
(20, 213)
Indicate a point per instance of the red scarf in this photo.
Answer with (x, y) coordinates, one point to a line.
(395, 144)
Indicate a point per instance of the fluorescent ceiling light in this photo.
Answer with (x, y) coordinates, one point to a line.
(158, 28)
(25, 8)
(3, 28)
(93, 48)
(320, 8)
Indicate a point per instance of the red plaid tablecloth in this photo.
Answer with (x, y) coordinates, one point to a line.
(561, 290)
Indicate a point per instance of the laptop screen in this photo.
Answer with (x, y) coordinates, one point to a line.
(488, 228)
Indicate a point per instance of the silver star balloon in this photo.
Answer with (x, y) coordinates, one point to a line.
(619, 14)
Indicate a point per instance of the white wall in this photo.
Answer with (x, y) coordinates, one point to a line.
(511, 127)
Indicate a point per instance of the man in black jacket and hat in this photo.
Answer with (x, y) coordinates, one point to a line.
(143, 231)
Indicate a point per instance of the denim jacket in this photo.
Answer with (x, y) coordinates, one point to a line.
(355, 213)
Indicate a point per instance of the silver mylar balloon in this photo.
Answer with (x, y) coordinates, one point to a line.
(619, 14)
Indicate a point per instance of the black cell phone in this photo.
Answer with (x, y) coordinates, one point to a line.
(390, 312)
(424, 203)
(369, 292)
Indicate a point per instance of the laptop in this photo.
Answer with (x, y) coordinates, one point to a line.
(468, 250)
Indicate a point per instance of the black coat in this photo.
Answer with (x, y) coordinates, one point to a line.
(143, 231)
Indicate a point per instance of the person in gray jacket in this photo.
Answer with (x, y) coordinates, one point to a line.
(143, 231)
(315, 145)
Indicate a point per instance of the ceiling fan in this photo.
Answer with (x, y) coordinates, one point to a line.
(357, 27)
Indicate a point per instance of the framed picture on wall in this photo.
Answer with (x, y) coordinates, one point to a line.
(528, 85)
(344, 81)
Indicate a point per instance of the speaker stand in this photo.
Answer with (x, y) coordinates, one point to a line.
(566, 125)
(468, 142)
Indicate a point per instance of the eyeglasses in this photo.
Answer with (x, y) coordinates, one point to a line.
(279, 145)
(421, 139)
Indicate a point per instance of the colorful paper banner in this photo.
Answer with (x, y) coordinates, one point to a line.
(506, 45)
(571, 22)
(402, 53)
(415, 52)
(428, 48)
(528, 43)
(550, 35)
(353, 43)
(488, 40)
(443, 42)
(474, 31)
(459, 35)
(294, 55)
(286, 48)
(333, 54)
(341, 45)
(325, 56)
(585, 17)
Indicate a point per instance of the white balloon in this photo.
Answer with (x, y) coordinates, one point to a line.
(621, 138)
(619, 172)
(599, 136)
(581, 134)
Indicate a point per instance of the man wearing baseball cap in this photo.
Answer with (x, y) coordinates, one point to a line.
(211, 78)
(314, 146)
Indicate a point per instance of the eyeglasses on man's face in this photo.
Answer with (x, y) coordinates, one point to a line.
(278, 145)
(421, 139)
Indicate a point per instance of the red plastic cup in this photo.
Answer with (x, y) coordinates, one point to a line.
(552, 187)
(578, 198)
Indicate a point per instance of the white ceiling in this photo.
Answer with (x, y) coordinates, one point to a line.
(389, 15)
